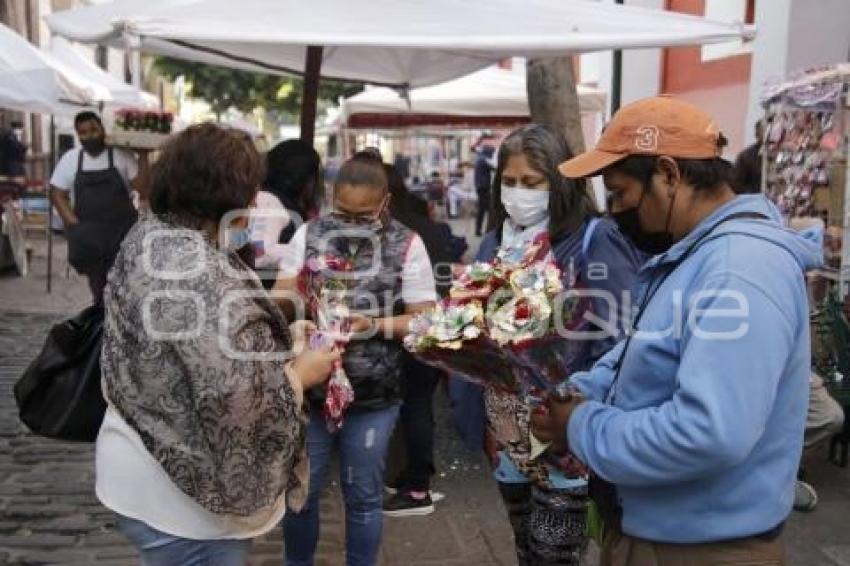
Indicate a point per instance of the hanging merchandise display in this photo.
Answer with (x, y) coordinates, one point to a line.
(805, 172)
(805, 151)
(800, 145)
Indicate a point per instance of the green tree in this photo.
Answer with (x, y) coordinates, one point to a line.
(223, 88)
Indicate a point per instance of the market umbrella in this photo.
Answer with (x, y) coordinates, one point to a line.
(399, 43)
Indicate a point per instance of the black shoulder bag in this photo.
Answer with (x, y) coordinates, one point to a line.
(59, 394)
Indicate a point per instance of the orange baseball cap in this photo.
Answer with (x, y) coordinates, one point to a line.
(652, 126)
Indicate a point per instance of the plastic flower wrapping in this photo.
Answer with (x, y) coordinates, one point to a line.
(499, 325)
(326, 297)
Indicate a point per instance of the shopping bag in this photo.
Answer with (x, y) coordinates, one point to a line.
(59, 394)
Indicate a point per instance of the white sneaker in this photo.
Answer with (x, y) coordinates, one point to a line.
(805, 497)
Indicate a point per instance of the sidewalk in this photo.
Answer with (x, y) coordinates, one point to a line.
(49, 514)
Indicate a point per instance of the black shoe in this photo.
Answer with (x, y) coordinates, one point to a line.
(403, 505)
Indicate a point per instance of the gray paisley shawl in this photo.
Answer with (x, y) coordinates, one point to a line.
(226, 428)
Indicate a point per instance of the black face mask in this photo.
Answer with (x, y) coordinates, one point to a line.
(93, 146)
(653, 243)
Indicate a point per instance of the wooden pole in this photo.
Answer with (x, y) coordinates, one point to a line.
(310, 95)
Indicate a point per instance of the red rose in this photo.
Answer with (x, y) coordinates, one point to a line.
(522, 311)
(497, 282)
(332, 262)
(338, 263)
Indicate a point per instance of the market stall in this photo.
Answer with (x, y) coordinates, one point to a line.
(805, 172)
(59, 83)
(448, 118)
(805, 156)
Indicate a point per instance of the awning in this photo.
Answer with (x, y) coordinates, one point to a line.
(491, 97)
(387, 42)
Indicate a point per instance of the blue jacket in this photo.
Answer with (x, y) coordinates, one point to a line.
(704, 435)
(605, 246)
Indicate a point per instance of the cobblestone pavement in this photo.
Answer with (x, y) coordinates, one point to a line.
(49, 514)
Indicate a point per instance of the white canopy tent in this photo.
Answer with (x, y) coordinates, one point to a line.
(60, 82)
(108, 88)
(401, 43)
(490, 92)
(33, 81)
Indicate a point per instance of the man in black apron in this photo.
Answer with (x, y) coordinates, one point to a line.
(102, 212)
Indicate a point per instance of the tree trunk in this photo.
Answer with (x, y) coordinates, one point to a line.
(553, 99)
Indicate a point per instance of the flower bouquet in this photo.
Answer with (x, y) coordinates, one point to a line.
(131, 119)
(140, 129)
(327, 301)
(452, 337)
(498, 326)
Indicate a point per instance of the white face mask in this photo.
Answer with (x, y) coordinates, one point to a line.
(525, 206)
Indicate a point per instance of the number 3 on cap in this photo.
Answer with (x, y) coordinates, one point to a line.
(647, 138)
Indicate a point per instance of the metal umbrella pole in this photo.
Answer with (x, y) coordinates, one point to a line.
(50, 205)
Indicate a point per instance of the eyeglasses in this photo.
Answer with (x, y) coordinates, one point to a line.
(364, 218)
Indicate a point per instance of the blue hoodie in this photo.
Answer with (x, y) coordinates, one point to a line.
(704, 432)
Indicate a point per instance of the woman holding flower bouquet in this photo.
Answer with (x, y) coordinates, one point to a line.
(357, 267)
(535, 205)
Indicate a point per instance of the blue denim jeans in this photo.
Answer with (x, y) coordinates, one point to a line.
(160, 549)
(362, 444)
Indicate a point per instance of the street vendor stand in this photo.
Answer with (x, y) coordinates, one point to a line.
(59, 83)
(805, 157)
(455, 114)
(806, 173)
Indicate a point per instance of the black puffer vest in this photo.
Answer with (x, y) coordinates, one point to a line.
(373, 288)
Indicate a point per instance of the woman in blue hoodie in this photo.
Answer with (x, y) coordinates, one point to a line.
(693, 426)
(547, 505)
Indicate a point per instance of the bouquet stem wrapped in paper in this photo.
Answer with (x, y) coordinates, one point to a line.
(327, 298)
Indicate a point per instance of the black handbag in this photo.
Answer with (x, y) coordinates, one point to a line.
(59, 394)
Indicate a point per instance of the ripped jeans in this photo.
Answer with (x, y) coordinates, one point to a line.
(362, 444)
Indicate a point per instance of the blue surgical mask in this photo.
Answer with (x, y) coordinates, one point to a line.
(237, 239)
